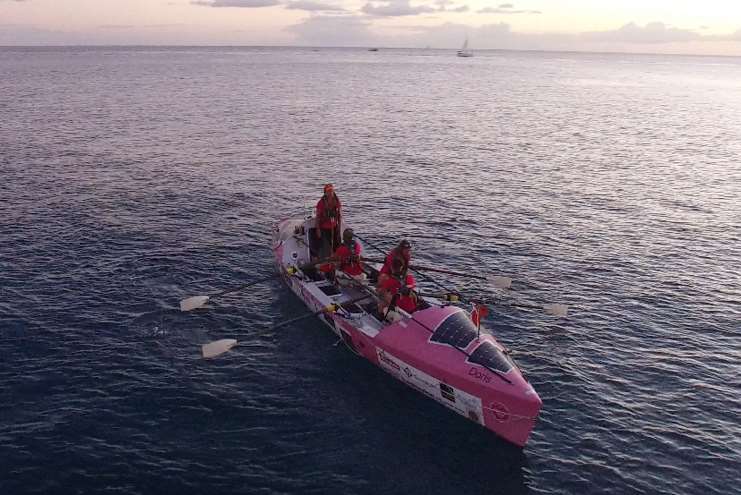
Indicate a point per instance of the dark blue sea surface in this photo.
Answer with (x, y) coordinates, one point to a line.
(132, 178)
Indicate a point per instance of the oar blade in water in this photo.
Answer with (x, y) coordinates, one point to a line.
(556, 309)
(192, 303)
(217, 347)
(500, 282)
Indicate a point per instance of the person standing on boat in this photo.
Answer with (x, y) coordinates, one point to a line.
(397, 289)
(402, 252)
(348, 255)
(328, 221)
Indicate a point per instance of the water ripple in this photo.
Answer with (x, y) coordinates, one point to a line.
(136, 177)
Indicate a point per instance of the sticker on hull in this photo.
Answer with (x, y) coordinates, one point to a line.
(461, 402)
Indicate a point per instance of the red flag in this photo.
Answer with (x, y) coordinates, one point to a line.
(478, 313)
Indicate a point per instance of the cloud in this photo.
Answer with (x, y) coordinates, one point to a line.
(312, 6)
(451, 35)
(250, 4)
(395, 8)
(354, 30)
(334, 30)
(506, 8)
(137, 26)
(443, 6)
(653, 32)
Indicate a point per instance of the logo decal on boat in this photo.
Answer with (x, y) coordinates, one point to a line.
(480, 375)
(389, 362)
(462, 402)
(447, 392)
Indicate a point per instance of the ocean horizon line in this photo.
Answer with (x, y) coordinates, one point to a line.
(359, 47)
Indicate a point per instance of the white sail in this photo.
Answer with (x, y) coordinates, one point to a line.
(464, 51)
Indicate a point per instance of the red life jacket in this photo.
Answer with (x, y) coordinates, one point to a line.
(328, 212)
(393, 285)
(347, 265)
(386, 268)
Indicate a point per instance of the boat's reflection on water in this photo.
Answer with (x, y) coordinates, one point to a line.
(392, 439)
(422, 445)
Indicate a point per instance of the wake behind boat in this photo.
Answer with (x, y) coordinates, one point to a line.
(436, 350)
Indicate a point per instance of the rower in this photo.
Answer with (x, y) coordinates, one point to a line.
(397, 290)
(328, 221)
(403, 253)
(348, 256)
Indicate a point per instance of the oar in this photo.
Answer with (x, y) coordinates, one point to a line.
(371, 245)
(218, 347)
(312, 264)
(332, 308)
(554, 309)
(195, 302)
(453, 296)
(441, 286)
(499, 282)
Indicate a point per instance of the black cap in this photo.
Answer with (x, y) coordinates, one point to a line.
(404, 244)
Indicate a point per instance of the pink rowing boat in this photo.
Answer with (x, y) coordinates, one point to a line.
(436, 350)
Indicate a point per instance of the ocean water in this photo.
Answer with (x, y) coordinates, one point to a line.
(134, 177)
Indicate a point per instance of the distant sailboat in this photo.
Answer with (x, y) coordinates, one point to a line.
(465, 51)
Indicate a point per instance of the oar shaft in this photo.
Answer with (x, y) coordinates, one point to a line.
(524, 305)
(430, 269)
(244, 286)
(412, 268)
(330, 259)
(371, 245)
(323, 310)
(447, 272)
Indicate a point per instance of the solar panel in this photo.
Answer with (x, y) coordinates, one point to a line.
(457, 330)
(489, 355)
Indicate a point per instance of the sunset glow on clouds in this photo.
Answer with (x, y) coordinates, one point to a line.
(662, 26)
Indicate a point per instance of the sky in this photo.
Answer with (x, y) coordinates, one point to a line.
(710, 27)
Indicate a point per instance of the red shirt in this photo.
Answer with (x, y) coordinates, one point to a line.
(351, 267)
(328, 212)
(386, 268)
(393, 285)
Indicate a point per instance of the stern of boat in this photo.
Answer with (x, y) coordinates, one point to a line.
(290, 243)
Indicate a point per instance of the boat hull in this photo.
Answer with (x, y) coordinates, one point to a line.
(410, 349)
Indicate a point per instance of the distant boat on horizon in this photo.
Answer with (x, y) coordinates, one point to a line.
(465, 51)
(372, 49)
